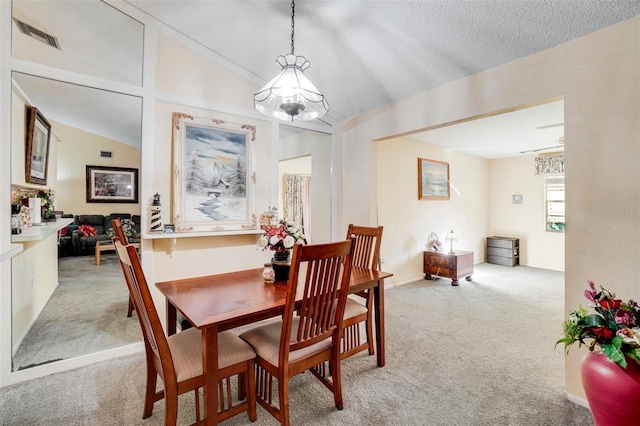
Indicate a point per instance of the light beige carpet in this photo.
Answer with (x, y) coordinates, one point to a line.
(481, 354)
(86, 313)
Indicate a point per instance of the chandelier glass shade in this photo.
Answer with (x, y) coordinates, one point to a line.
(290, 95)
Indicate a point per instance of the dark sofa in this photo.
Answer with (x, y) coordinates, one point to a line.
(83, 245)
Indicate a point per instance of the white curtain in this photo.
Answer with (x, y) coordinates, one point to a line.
(549, 164)
(297, 201)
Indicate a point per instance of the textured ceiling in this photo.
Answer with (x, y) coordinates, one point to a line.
(363, 54)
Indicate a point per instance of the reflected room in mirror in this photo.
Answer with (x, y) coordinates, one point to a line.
(304, 176)
(64, 302)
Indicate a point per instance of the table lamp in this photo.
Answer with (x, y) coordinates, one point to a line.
(450, 238)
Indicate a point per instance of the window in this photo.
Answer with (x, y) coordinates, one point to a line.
(554, 202)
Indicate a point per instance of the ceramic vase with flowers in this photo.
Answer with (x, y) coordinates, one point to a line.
(280, 239)
(611, 370)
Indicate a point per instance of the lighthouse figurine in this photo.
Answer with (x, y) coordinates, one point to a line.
(156, 221)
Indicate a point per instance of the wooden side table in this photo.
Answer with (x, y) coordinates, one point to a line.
(107, 245)
(455, 266)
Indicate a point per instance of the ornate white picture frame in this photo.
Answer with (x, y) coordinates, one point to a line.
(213, 175)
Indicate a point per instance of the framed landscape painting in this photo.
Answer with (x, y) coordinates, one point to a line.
(213, 175)
(111, 184)
(433, 180)
(37, 141)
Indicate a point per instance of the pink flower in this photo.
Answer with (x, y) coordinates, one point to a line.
(591, 294)
(624, 317)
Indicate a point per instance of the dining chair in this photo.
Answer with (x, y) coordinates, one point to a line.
(366, 254)
(308, 334)
(177, 359)
(119, 232)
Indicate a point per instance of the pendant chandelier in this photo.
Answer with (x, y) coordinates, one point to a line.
(290, 95)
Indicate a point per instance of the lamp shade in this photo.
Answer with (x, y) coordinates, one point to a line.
(290, 95)
(450, 238)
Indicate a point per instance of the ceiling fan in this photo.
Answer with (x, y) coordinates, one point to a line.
(560, 144)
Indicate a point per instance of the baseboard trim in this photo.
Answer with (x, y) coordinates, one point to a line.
(408, 281)
(576, 399)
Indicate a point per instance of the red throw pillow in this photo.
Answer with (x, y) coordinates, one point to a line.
(87, 230)
(63, 232)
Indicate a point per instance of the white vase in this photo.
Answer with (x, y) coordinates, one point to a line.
(36, 210)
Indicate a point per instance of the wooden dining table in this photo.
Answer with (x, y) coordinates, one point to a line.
(215, 303)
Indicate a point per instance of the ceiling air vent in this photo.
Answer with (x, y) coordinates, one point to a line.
(106, 154)
(37, 34)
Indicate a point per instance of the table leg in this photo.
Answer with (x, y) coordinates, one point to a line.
(97, 253)
(378, 299)
(172, 318)
(210, 370)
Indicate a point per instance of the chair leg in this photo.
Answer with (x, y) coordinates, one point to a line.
(152, 379)
(369, 327)
(197, 396)
(170, 405)
(283, 397)
(369, 322)
(336, 380)
(250, 379)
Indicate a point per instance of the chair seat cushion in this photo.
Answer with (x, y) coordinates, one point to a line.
(353, 309)
(265, 340)
(186, 351)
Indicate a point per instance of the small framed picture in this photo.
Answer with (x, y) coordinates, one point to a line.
(433, 180)
(516, 198)
(37, 147)
(169, 228)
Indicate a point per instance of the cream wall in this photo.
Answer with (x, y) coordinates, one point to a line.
(598, 76)
(526, 221)
(408, 221)
(480, 206)
(76, 150)
(183, 72)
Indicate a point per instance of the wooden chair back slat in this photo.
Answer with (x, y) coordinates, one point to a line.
(325, 283)
(119, 231)
(366, 253)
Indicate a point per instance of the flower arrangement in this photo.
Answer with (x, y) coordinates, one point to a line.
(282, 237)
(46, 201)
(614, 328)
(128, 226)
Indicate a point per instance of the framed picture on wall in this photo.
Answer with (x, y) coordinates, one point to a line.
(213, 175)
(112, 184)
(38, 135)
(433, 180)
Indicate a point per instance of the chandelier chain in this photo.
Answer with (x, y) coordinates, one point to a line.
(293, 14)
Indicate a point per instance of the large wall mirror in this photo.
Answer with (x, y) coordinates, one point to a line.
(304, 173)
(65, 304)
